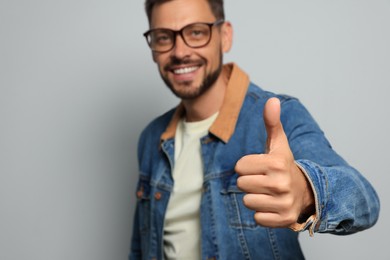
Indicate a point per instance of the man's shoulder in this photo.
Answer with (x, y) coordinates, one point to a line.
(154, 129)
(159, 124)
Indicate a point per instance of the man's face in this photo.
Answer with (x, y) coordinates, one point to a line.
(187, 71)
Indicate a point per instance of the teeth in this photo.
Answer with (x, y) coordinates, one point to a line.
(185, 70)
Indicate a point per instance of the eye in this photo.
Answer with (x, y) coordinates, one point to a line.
(161, 38)
(198, 32)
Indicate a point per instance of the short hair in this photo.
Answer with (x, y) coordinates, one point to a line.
(216, 7)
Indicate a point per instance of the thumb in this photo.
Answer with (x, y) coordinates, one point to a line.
(273, 125)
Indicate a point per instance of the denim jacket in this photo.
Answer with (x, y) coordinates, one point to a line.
(345, 201)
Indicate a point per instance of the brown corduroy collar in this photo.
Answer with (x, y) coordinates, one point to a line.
(224, 125)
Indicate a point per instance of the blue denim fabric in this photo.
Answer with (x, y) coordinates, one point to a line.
(345, 201)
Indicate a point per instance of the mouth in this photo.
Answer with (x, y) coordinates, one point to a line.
(186, 70)
(180, 71)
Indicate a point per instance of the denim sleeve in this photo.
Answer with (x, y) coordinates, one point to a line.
(345, 201)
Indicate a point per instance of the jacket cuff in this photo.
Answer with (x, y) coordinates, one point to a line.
(311, 221)
(307, 225)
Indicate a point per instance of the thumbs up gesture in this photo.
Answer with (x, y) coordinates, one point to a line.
(277, 190)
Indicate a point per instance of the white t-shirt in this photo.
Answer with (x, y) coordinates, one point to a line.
(182, 229)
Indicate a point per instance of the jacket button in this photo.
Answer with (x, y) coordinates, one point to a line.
(139, 194)
(157, 195)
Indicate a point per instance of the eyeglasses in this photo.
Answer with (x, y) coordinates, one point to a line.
(195, 35)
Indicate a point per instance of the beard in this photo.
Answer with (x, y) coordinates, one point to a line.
(192, 93)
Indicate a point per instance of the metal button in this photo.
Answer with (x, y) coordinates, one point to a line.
(139, 194)
(157, 195)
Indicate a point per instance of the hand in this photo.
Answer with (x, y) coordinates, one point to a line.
(276, 188)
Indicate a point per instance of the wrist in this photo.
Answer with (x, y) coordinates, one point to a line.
(308, 202)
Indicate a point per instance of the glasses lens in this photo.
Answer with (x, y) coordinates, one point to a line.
(196, 35)
(160, 40)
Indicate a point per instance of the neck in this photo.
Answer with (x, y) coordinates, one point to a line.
(209, 103)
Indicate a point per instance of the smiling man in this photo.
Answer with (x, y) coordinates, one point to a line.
(233, 172)
(191, 64)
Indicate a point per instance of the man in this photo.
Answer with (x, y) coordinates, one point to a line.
(234, 172)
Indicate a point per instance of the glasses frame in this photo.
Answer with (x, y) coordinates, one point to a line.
(180, 32)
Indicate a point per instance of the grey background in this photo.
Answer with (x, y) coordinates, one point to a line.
(77, 85)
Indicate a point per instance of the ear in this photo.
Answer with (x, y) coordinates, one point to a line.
(227, 36)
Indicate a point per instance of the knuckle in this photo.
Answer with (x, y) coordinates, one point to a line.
(287, 204)
(284, 184)
(290, 202)
(278, 164)
(289, 218)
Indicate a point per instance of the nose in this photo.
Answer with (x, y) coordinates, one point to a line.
(180, 50)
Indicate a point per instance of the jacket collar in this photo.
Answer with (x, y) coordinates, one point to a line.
(224, 125)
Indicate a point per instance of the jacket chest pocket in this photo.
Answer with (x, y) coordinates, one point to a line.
(239, 215)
